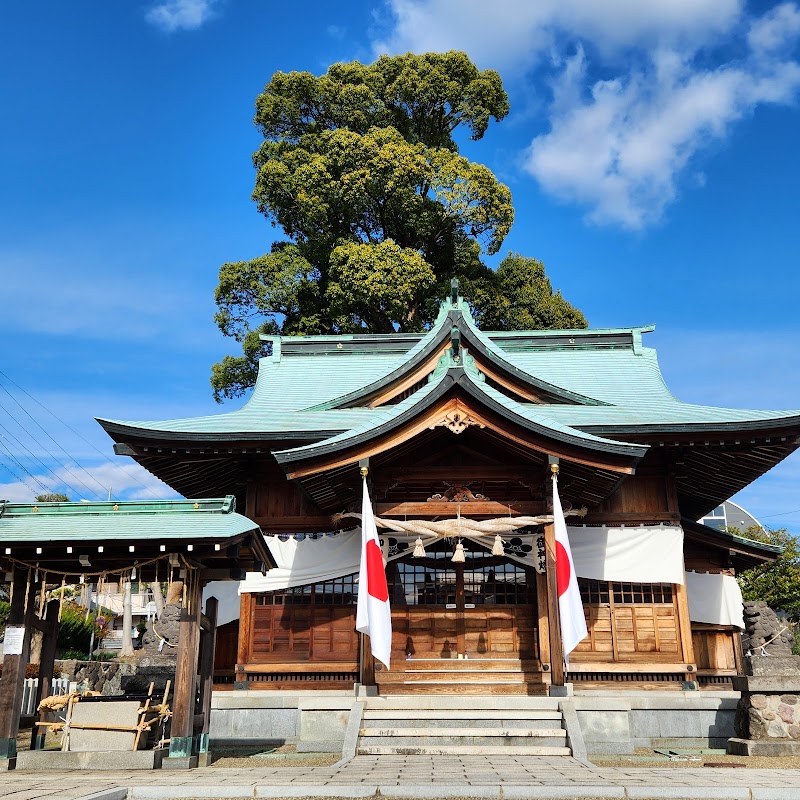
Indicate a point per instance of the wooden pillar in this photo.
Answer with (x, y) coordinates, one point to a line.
(182, 735)
(553, 619)
(46, 663)
(208, 646)
(681, 599)
(13, 679)
(246, 603)
(543, 628)
(366, 663)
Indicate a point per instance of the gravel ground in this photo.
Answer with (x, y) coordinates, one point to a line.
(284, 756)
(705, 760)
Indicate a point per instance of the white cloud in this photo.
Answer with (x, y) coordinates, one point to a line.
(127, 481)
(776, 30)
(177, 15)
(620, 150)
(620, 145)
(515, 33)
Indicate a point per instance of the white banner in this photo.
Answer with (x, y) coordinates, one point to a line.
(632, 555)
(715, 599)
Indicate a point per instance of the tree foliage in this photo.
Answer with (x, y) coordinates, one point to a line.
(361, 170)
(52, 497)
(776, 583)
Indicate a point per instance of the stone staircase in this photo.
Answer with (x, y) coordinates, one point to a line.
(472, 725)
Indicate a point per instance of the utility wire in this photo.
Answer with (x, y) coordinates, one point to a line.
(119, 466)
(23, 467)
(65, 466)
(34, 457)
(19, 477)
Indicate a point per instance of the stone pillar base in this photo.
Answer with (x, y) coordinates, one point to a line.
(764, 747)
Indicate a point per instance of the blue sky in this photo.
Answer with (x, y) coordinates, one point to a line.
(651, 150)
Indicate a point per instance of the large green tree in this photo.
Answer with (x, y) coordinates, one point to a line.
(360, 169)
(776, 583)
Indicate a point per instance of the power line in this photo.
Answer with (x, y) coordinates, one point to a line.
(19, 477)
(65, 466)
(119, 466)
(34, 457)
(782, 514)
(23, 468)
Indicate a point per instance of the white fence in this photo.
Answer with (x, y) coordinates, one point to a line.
(57, 686)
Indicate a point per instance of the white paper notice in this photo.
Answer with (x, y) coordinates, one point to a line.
(12, 644)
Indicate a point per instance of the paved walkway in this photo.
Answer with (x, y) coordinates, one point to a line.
(413, 777)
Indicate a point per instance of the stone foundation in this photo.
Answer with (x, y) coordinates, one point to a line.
(768, 715)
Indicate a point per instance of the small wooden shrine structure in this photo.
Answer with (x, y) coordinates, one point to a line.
(51, 545)
(458, 423)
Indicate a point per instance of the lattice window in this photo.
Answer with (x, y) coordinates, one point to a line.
(593, 592)
(650, 593)
(336, 592)
(599, 592)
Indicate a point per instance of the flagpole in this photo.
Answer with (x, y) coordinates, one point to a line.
(557, 676)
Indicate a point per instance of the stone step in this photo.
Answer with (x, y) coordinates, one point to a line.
(488, 744)
(479, 715)
(461, 750)
(482, 699)
(443, 719)
(431, 732)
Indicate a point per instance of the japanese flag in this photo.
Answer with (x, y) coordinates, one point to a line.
(373, 615)
(570, 607)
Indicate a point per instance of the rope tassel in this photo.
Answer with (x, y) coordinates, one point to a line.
(419, 548)
(497, 547)
(458, 556)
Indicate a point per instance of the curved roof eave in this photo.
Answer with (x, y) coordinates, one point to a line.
(436, 390)
(426, 348)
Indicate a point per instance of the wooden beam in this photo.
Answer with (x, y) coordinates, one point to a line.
(542, 613)
(628, 517)
(553, 620)
(46, 664)
(246, 603)
(12, 680)
(208, 644)
(181, 741)
(478, 508)
(366, 669)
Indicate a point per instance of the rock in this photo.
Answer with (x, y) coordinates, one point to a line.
(789, 699)
(758, 701)
(786, 713)
(776, 731)
(794, 731)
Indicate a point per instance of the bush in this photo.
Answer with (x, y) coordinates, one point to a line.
(75, 630)
(74, 655)
(105, 655)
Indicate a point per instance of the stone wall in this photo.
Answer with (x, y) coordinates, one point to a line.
(769, 716)
(105, 677)
(619, 724)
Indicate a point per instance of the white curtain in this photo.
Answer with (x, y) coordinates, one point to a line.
(227, 594)
(714, 598)
(635, 555)
(302, 561)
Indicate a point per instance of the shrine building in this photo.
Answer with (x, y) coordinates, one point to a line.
(460, 431)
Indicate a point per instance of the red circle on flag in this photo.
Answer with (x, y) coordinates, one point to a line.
(562, 569)
(376, 575)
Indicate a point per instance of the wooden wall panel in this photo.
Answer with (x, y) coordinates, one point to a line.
(639, 493)
(714, 649)
(303, 633)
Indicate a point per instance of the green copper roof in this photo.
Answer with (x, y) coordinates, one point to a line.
(167, 520)
(605, 383)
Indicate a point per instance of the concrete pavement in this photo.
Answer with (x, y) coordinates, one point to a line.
(413, 777)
